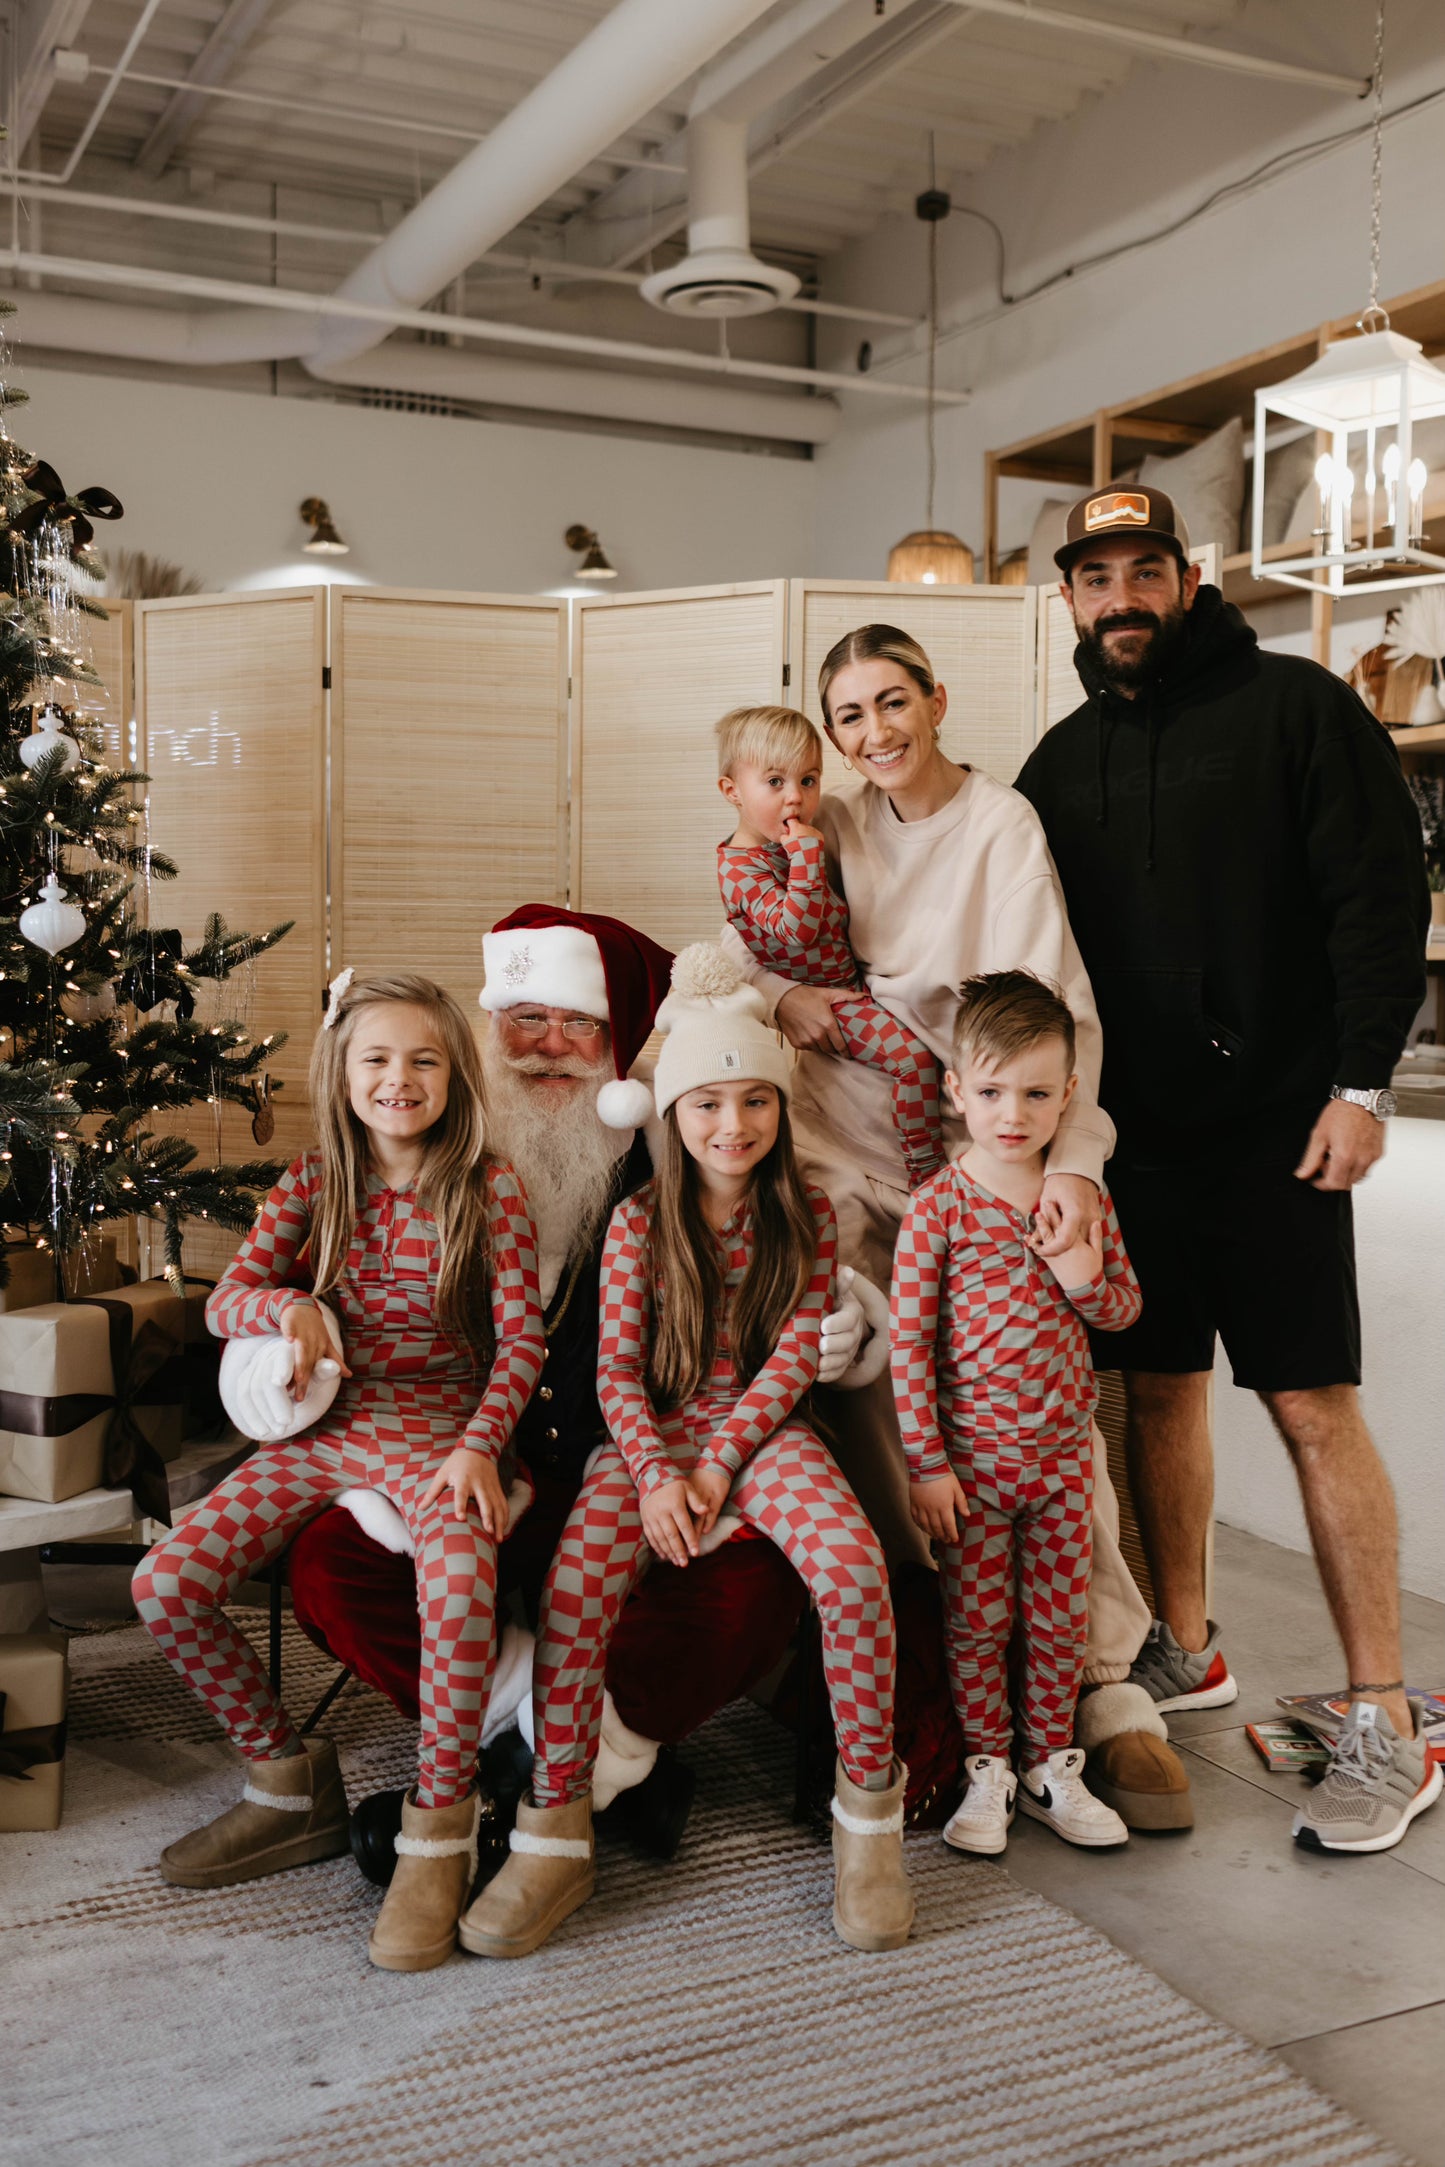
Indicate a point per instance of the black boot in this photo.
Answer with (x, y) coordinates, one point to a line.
(653, 1815)
(376, 1824)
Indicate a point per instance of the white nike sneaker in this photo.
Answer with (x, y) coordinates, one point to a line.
(1055, 1792)
(982, 1821)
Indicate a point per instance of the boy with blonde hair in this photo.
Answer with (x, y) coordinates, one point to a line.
(774, 881)
(996, 1394)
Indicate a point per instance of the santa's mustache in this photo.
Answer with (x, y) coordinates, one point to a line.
(542, 1064)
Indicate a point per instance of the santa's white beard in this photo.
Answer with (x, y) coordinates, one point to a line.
(565, 1155)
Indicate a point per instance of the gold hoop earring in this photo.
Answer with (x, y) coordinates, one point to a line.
(848, 765)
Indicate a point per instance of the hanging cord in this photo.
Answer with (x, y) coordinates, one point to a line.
(1376, 318)
(932, 368)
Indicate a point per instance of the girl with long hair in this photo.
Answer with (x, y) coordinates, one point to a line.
(715, 1280)
(424, 1246)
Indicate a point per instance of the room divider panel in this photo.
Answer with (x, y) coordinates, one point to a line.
(448, 774)
(651, 674)
(230, 700)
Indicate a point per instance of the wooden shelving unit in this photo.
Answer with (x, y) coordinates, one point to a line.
(1087, 453)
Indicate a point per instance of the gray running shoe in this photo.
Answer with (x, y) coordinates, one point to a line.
(1375, 1785)
(1173, 1678)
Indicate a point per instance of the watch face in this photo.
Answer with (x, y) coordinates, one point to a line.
(1386, 1104)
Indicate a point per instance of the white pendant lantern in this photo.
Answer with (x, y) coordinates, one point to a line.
(1363, 398)
(49, 736)
(53, 923)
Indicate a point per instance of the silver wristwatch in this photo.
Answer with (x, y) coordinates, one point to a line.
(1379, 1103)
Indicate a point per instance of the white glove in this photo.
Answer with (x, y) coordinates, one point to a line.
(863, 1308)
(256, 1373)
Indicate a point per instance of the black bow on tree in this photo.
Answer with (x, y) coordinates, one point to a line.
(53, 502)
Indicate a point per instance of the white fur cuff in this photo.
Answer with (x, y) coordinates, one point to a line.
(550, 1847)
(1111, 1710)
(282, 1803)
(434, 1847)
(857, 1826)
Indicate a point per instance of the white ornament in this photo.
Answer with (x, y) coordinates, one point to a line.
(53, 923)
(48, 738)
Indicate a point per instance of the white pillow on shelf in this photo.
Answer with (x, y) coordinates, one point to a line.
(1207, 486)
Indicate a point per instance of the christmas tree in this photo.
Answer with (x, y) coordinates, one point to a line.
(99, 1030)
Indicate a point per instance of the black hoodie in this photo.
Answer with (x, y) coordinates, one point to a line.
(1244, 874)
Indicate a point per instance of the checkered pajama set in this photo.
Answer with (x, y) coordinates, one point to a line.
(778, 897)
(992, 1375)
(410, 1400)
(785, 1485)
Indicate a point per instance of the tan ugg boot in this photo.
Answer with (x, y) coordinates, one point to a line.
(436, 1864)
(549, 1874)
(1131, 1765)
(291, 1812)
(872, 1903)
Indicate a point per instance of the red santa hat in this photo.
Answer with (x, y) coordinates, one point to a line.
(542, 957)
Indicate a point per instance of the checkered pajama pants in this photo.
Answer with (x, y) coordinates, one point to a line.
(791, 1491)
(878, 1039)
(248, 1520)
(1028, 1529)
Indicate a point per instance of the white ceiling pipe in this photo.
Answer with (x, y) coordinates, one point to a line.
(608, 82)
(719, 276)
(717, 183)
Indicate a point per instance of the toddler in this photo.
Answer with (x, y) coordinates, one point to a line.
(996, 1394)
(775, 890)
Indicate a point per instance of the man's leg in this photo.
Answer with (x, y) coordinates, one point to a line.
(1170, 1456)
(1350, 1508)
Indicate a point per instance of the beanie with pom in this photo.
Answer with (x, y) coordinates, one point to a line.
(717, 1030)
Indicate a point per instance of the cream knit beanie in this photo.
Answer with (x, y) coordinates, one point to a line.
(717, 1030)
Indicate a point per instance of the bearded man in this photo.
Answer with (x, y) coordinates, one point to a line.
(1244, 875)
(571, 999)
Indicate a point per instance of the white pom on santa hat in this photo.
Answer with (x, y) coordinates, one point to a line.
(624, 1103)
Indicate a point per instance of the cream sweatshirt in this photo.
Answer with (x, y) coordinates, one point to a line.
(971, 888)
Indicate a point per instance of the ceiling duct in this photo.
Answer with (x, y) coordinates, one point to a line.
(719, 275)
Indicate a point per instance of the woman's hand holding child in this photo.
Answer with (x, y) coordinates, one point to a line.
(939, 1507)
(472, 1478)
(303, 1324)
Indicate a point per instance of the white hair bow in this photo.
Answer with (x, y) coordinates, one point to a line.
(336, 994)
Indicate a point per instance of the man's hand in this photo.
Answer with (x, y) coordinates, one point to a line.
(303, 1324)
(805, 1018)
(667, 1523)
(939, 1507)
(1344, 1144)
(707, 1493)
(1068, 1207)
(1080, 1264)
(472, 1479)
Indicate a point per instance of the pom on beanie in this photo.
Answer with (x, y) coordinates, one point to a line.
(624, 1103)
(716, 1029)
(705, 972)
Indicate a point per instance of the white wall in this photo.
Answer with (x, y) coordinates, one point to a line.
(211, 480)
(1398, 1216)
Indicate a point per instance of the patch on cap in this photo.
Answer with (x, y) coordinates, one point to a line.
(1121, 507)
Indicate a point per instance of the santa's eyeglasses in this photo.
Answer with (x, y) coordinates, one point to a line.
(533, 1025)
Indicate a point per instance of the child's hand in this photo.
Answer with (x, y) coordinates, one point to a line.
(707, 1493)
(471, 1478)
(303, 1324)
(798, 831)
(1081, 1263)
(667, 1523)
(939, 1507)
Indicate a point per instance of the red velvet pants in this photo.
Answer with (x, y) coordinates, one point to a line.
(691, 1639)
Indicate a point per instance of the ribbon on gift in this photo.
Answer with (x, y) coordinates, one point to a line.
(149, 1371)
(20, 1751)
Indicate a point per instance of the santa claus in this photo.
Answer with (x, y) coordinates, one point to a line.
(571, 999)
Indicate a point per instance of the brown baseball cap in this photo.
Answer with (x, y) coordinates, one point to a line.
(1123, 508)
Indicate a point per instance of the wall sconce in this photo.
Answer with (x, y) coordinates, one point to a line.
(594, 563)
(325, 541)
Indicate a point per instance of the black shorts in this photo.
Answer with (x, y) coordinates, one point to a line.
(1246, 1252)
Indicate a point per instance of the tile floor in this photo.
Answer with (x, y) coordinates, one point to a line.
(1338, 1964)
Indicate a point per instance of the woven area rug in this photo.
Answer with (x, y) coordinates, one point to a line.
(697, 2013)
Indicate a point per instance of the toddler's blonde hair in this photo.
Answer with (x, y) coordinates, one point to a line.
(768, 737)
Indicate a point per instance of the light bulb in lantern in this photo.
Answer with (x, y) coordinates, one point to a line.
(54, 922)
(49, 737)
(1415, 480)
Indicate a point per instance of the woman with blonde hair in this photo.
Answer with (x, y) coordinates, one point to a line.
(424, 1245)
(946, 875)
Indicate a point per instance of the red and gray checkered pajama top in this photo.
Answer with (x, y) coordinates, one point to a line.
(726, 1420)
(385, 1299)
(777, 896)
(988, 1349)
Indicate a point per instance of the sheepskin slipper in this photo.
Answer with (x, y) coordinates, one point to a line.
(1131, 1765)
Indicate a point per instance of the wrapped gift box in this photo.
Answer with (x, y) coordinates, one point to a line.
(33, 1683)
(94, 1268)
(100, 1390)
